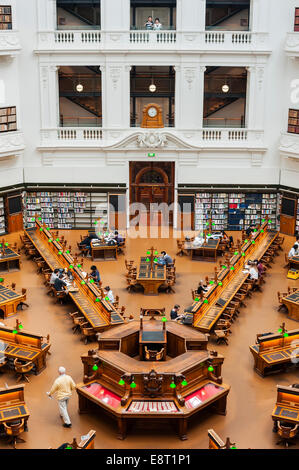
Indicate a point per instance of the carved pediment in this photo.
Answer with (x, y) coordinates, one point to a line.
(151, 140)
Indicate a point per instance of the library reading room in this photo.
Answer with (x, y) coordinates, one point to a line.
(149, 225)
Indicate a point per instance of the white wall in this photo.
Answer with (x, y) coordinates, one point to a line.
(31, 83)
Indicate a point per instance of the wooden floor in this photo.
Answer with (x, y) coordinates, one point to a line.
(250, 401)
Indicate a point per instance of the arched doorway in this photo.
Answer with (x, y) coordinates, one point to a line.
(152, 184)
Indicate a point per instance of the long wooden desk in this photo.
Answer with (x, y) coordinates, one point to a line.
(274, 351)
(291, 302)
(12, 405)
(208, 311)
(98, 312)
(294, 262)
(102, 252)
(23, 346)
(287, 406)
(9, 301)
(151, 280)
(9, 261)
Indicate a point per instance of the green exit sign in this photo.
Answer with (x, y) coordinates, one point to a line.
(151, 154)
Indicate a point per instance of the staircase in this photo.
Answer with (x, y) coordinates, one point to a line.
(220, 104)
(87, 105)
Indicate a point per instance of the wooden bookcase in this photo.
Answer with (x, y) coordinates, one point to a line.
(296, 25)
(8, 119)
(5, 17)
(293, 122)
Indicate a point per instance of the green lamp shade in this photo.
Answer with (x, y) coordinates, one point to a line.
(243, 254)
(133, 385)
(156, 252)
(14, 332)
(245, 241)
(156, 260)
(262, 231)
(78, 265)
(209, 235)
(223, 267)
(232, 268)
(68, 447)
(270, 221)
(280, 330)
(95, 367)
(41, 229)
(60, 252)
(210, 368)
(68, 252)
(71, 266)
(184, 383)
(206, 301)
(82, 282)
(253, 242)
(233, 447)
(236, 253)
(255, 230)
(172, 385)
(147, 260)
(0, 245)
(39, 218)
(20, 326)
(91, 281)
(285, 335)
(211, 282)
(263, 220)
(121, 382)
(148, 252)
(33, 219)
(220, 283)
(57, 239)
(164, 319)
(98, 300)
(196, 299)
(6, 244)
(50, 240)
(1, 279)
(213, 223)
(207, 223)
(107, 298)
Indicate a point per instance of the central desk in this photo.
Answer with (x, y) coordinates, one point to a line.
(150, 280)
(12, 405)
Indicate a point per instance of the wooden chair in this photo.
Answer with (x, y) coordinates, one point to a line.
(150, 355)
(59, 296)
(13, 286)
(287, 432)
(87, 331)
(223, 325)
(78, 320)
(22, 369)
(13, 431)
(287, 261)
(3, 364)
(194, 293)
(116, 301)
(222, 336)
(23, 303)
(160, 355)
(131, 284)
(129, 264)
(281, 304)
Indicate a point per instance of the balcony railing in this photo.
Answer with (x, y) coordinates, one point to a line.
(64, 40)
(101, 137)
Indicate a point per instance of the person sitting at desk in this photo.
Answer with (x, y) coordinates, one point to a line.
(253, 273)
(250, 229)
(174, 312)
(201, 288)
(260, 267)
(60, 284)
(94, 273)
(166, 258)
(293, 251)
(110, 239)
(108, 293)
(198, 241)
(86, 243)
(54, 276)
(118, 238)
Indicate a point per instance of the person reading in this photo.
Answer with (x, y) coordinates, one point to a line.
(293, 251)
(94, 274)
(60, 284)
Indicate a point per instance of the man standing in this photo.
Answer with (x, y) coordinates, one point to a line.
(62, 389)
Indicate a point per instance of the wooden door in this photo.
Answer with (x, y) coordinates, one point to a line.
(186, 204)
(14, 213)
(288, 215)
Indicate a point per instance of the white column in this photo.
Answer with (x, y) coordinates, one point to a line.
(115, 15)
(250, 98)
(260, 12)
(46, 15)
(116, 95)
(255, 99)
(188, 96)
(202, 69)
(191, 15)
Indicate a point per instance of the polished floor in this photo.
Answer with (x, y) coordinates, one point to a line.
(251, 399)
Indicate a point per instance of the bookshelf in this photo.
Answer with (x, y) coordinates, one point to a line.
(236, 211)
(2, 217)
(65, 210)
(253, 206)
(8, 119)
(297, 219)
(293, 121)
(296, 24)
(269, 208)
(5, 17)
(203, 207)
(219, 211)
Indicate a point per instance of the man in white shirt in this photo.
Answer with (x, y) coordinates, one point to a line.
(108, 293)
(62, 389)
(54, 276)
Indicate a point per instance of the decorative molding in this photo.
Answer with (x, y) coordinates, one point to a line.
(260, 76)
(256, 159)
(202, 68)
(152, 140)
(190, 76)
(11, 142)
(115, 76)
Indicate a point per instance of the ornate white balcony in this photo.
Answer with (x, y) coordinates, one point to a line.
(289, 145)
(292, 44)
(205, 41)
(9, 42)
(11, 143)
(166, 138)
